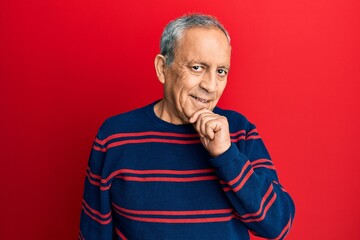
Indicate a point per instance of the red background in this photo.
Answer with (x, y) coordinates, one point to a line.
(65, 66)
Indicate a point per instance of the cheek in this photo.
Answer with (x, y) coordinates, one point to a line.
(185, 101)
(184, 88)
(222, 85)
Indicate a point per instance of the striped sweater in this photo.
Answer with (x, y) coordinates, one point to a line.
(148, 179)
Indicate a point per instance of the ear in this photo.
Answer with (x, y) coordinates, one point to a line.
(160, 64)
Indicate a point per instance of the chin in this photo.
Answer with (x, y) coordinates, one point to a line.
(188, 113)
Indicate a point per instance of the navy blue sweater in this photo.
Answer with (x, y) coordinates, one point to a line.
(148, 179)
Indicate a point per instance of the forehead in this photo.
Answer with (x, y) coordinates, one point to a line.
(204, 44)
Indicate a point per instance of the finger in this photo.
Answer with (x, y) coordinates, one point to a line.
(198, 127)
(203, 119)
(209, 130)
(212, 127)
(194, 118)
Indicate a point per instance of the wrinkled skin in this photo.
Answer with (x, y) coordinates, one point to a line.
(194, 83)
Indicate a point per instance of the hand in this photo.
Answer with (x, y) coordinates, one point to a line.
(213, 130)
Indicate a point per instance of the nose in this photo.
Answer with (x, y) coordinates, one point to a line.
(209, 82)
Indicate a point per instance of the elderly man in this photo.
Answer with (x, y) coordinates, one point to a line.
(182, 168)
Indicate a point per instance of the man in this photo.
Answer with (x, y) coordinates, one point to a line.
(182, 168)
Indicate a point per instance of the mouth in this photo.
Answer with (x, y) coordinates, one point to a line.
(202, 100)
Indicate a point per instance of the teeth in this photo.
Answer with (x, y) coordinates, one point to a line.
(199, 99)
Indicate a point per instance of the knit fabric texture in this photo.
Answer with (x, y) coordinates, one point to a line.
(148, 179)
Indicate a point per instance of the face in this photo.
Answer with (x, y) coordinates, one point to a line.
(198, 75)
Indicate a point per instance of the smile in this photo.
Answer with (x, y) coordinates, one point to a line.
(200, 99)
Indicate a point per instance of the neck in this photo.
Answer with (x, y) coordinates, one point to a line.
(161, 111)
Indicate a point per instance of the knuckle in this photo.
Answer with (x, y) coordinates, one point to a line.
(224, 119)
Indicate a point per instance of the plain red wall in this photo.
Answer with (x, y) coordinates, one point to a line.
(65, 66)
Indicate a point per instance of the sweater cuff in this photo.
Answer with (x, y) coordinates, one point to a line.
(227, 157)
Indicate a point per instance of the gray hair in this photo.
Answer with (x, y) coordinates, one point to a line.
(174, 31)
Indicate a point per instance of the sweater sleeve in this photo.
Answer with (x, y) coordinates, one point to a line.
(250, 182)
(96, 218)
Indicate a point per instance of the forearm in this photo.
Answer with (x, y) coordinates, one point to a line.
(252, 188)
(96, 218)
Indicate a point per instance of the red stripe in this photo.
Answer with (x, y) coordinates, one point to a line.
(92, 181)
(283, 189)
(174, 213)
(146, 140)
(284, 231)
(261, 160)
(244, 138)
(96, 219)
(93, 175)
(102, 188)
(120, 234)
(247, 176)
(151, 133)
(167, 179)
(99, 149)
(240, 175)
(237, 133)
(142, 134)
(95, 211)
(236, 179)
(157, 140)
(265, 197)
(184, 220)
(227, 189)
(256, 163)
(252, 131)
(99, 141)
(270, 203)
(264, 166)
(81, 237)
(156, 171)
(253, 137)
(238, 139)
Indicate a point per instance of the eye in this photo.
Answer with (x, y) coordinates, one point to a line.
(197, 68)
(221, 72)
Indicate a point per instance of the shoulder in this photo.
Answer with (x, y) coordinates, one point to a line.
(237, 121)
(131, 121)
(230, 114)
(125, 118)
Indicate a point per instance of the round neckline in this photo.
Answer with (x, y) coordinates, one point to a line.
(185, 128)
